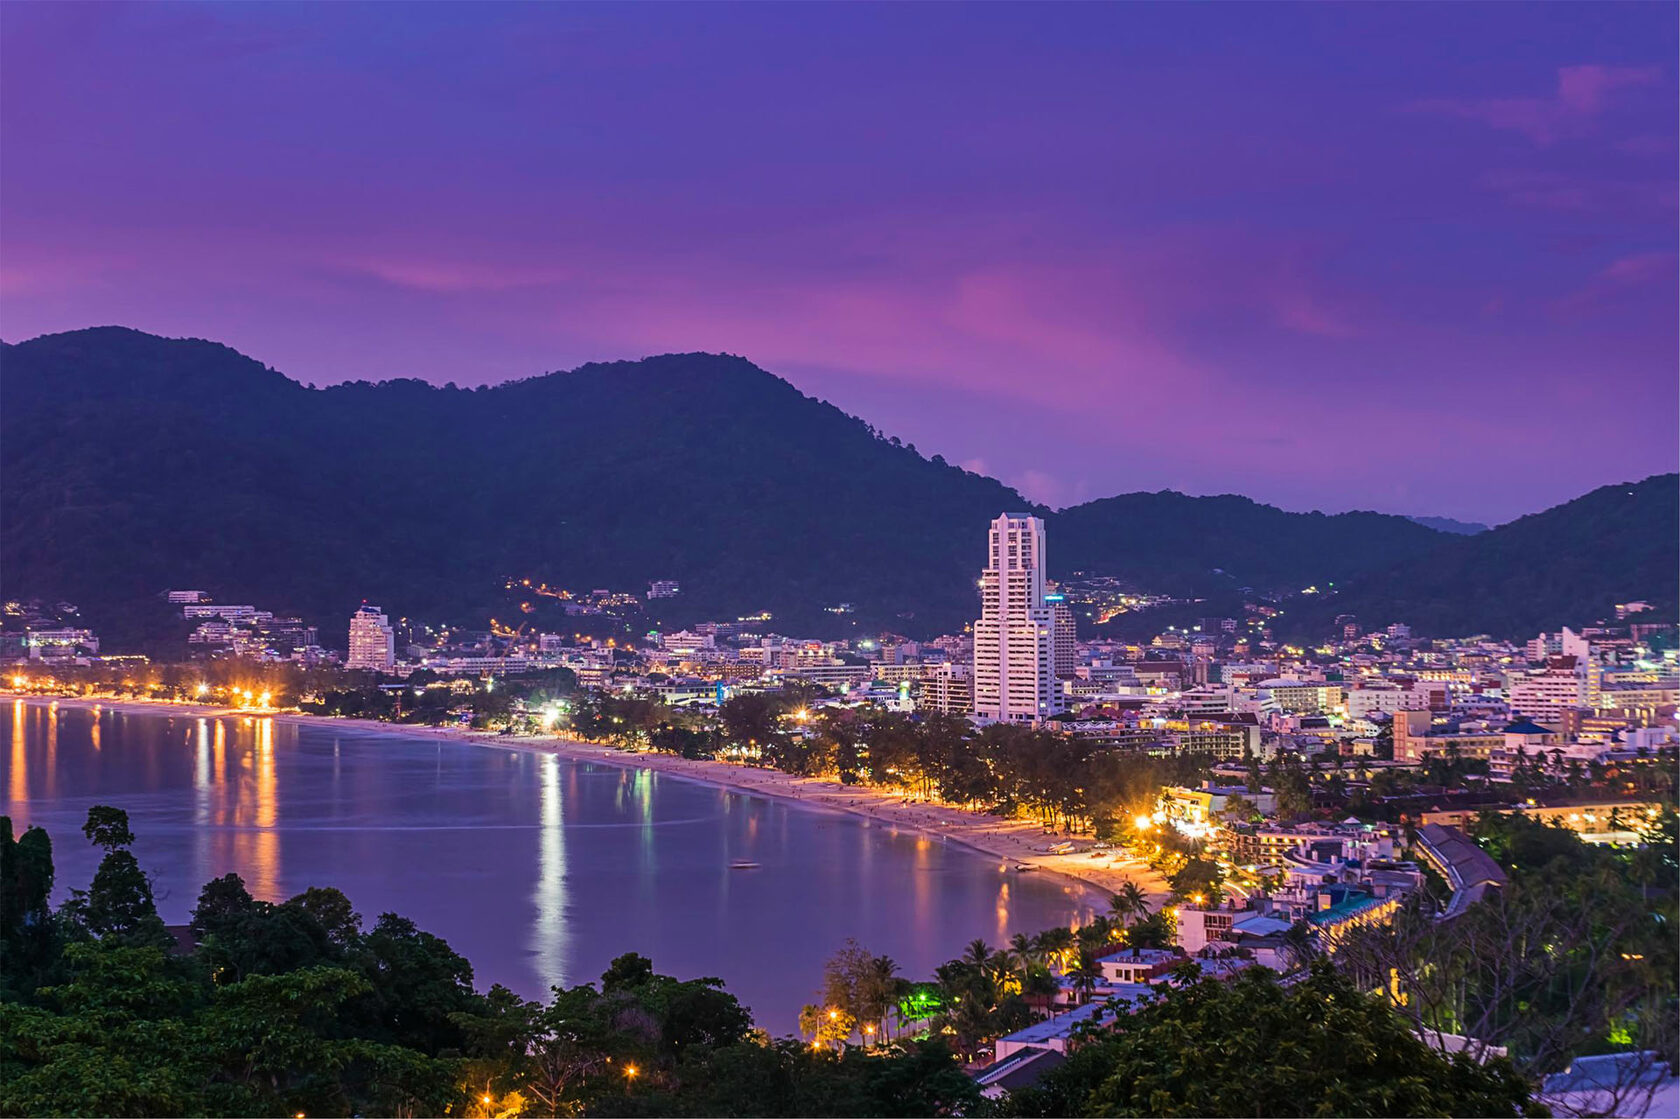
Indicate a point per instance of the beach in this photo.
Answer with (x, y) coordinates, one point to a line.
(1019, 844)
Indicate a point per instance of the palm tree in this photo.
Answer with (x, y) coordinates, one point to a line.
(1299, 944)
(1129, 904)
(1024, 950)
(977, 955)
(1039, 987)
(1085, 974)
(1055, 943)
(1098, 934)
(884, 990)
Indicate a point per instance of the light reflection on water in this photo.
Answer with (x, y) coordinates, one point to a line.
(537, 869)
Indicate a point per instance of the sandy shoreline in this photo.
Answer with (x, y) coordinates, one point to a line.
(1018, 843)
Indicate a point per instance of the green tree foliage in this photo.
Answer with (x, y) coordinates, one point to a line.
(1198, 878)
(28, 938)
(1575, 956)
(292, 1007)
(118, 903)
(1254, 1047)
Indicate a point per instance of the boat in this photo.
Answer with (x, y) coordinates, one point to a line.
(742, 864)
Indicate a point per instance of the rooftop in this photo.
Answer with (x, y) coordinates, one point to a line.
(1062, 1026)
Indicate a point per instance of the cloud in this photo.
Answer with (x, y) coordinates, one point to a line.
(1042, 487)
(1567, 193)
(1582, 95)
(1300, 312)
(436, 275)
(1616, 280)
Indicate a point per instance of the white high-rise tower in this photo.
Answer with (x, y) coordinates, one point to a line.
(1014, 640)
(372, 643)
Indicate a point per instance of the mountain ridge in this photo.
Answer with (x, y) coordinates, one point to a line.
(136, 462)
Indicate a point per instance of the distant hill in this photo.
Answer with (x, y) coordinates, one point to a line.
(1568, 565)
(134, 463)
(1448, 524)
(1193, 545)
(131, 463)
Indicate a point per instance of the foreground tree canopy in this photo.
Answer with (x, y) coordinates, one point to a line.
(1255, 1047)
(294, 1007)
(280, 1008)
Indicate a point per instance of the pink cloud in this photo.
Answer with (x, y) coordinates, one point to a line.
(1551, 190)
(437, 275)
(1583, 93)
(1615, 280)
(1300, 312)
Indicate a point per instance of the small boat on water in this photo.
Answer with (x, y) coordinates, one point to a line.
(742, 864)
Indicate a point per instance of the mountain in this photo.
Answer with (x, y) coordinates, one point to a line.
(131, 463)
(1175, 544)
(1568, 565)
(1448, 524)
(134, 463)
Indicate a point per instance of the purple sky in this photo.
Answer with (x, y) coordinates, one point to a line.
(1413, 257)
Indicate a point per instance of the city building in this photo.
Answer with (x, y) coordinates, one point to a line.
(948, 688)
(373, 644)
(1014, 638)
(61, 643)
(1545, 695)
(663, 588)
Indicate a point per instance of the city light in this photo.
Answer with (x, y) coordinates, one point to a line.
(202, 689)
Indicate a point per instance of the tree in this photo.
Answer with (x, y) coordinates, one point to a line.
(1251, 1046)
(118, 903)
(1570, 958)
(1198, 879)
(1300, 944)
(28, 936)
(1086, 973)
(1129, 904)
(108, 828)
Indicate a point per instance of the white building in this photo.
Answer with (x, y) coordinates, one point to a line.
(1383, 699)
(372, 644)
(232, 612)
(683, 643)
(61, 644)
(949, 688)
(1545, 695)
(664, 588)
(1014, 639)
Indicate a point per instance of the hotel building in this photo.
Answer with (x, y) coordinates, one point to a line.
(1015, 637)
(373, 645)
